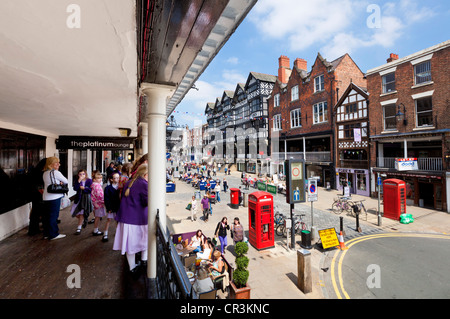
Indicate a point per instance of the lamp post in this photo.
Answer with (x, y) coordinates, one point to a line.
(401, 116)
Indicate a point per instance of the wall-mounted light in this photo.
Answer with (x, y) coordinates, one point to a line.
(124, 132)
(401, 116)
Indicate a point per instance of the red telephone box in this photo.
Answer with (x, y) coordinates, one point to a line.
(394, 198)
(260, 219)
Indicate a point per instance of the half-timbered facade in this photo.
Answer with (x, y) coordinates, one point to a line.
(352, 140)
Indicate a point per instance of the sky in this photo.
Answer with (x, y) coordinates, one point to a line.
(367, 30)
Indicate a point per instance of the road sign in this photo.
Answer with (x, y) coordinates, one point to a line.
(312, 190)
(379, 181)
(295, 181)
(329, 238)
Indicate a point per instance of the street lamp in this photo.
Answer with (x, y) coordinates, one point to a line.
(401, 116)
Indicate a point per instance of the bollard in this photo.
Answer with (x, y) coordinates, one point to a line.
(304, 278)
(357, 223)
(342, 225)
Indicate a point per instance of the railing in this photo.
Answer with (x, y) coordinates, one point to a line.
(424, 164)
(172, 281)
(310, 156)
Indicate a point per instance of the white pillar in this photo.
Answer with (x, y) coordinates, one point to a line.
(405, 148)
(157, 101)
(144, 143)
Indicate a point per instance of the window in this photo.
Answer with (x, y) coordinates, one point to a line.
(319, 83)
(276, 100)
(389, 82)
(351, 108)
(422, 72)
(424, 112)
(296, 118)
(294, 93)
(320, 112)
(277, 122)
(389, 117)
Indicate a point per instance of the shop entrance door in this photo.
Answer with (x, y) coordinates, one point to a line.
(426, 193)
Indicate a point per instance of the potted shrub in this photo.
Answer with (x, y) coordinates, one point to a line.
(239, 287)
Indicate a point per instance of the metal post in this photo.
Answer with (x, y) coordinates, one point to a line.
(341, 222)
(292, 228)
(379, 194)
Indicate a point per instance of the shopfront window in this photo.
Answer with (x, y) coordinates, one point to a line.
(361, 182)
(19, 154)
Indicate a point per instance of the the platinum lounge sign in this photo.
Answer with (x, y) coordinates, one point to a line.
(94, 142)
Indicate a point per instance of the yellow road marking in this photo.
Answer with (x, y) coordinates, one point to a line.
(361, 239)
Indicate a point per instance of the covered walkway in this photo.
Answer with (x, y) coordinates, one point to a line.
(34, 268)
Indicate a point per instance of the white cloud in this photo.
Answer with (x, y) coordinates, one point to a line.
(336, 27)
(233, 60)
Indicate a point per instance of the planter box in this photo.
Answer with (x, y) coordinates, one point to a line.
(239, 293)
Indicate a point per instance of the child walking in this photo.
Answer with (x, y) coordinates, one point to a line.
(82, 205)
(194, 208)
(98, 202)
(112, 202)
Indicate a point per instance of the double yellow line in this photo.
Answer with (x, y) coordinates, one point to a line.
(340, 287)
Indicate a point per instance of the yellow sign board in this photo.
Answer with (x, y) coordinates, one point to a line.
(329, 238)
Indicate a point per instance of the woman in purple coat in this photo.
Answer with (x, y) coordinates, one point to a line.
(132, 217)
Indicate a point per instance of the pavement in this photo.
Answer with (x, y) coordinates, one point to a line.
(273, 272)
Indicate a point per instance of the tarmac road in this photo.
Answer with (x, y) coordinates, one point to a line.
(391, 266)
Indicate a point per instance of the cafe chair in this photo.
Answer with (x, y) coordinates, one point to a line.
(212, 294)
(221, 281)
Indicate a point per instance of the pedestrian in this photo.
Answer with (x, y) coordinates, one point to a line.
(142, 160)
(132, 217)
(52, 202)
(221, 232)
(98, 200)
(82, 205)
(194, 208)
(37, 190)
(110, 169)
(205, 206)
(126, 174)
(237, 231)
(112, 202)
(225, 184)
(225, 169)
(217, 190)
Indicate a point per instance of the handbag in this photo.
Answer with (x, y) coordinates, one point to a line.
(55, 188)
(189, 206)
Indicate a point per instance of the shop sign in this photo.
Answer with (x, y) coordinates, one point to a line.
(94, 142)
(406, 164)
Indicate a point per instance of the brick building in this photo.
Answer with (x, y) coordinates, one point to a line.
(408, 109)
(301, 112)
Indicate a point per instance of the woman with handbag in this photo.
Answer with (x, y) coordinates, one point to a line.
(221, 232)
(52, 201)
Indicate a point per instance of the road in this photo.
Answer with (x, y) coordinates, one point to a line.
(390, 266)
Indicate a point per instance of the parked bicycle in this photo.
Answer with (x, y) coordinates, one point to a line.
(298, 225)
(342, 203)
(358, 207)
(278, 218)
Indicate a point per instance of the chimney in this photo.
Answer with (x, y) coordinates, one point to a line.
(283, 69)
(392, 57)
(300, 64)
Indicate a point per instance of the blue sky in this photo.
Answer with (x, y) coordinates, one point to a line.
(368, 30)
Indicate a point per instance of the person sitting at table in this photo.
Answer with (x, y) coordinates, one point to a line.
(217, 267)
(203, 283)
(197, 241)
(208, 248)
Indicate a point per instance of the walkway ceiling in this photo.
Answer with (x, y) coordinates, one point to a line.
(64, 80)
(178, 39)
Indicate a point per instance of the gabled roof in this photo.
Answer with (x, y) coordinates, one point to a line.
(262, 77)
(352, 86)
(210, 106)
(227, 93)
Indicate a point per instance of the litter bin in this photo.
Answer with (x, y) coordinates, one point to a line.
(306, 239)
(245, 199)
(234, 197)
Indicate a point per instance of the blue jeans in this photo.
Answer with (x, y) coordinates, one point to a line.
(218, 196)
(50, 218)
(223, 243)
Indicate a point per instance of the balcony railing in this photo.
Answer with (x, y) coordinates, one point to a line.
(424, 164)
(310, 156)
